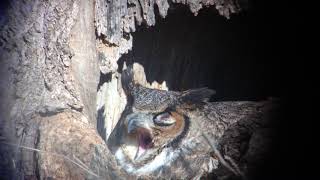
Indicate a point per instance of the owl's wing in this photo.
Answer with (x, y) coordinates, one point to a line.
(243, 130)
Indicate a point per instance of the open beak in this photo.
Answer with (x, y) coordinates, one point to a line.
(141, 126)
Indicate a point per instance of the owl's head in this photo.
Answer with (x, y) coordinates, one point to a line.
(153, 125)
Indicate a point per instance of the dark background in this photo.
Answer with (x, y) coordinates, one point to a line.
(243, 58)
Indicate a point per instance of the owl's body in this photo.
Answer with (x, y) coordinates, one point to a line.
(160, 133)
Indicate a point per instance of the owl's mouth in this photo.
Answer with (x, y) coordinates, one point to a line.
(145, 142)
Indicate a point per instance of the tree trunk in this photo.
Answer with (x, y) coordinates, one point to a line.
(52, 54)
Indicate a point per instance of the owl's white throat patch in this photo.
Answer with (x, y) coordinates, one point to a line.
(165, 158)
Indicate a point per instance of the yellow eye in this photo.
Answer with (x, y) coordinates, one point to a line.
(164, 119)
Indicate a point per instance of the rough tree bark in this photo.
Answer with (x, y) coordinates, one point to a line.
(52, 53)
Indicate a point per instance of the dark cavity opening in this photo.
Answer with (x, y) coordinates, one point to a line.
(233, 57)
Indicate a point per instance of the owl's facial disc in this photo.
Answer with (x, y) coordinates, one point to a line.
(142, 127)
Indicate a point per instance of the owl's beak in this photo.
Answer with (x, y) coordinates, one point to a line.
(133, 125)
(141, 127)
(137, 121)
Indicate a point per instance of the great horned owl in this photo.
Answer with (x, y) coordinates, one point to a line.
(160, 132)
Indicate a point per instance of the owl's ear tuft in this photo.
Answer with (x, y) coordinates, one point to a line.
(197, 95)
(127, 80)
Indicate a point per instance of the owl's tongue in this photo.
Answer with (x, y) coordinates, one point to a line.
(144, 141)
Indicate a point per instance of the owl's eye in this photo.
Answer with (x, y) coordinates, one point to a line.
(164, 119)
